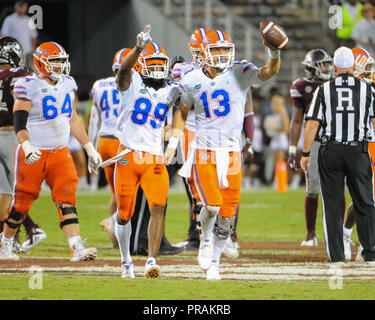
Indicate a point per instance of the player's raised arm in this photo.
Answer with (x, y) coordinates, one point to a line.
(272, 67)
(124, 74)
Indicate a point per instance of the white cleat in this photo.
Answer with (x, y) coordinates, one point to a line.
(152, 270)
(205, 254)
(36, 238)
(6, 251)
(310, 243)
(230, 250)
(213, 273)
(127, 270)
(347, 248)
(80, 253)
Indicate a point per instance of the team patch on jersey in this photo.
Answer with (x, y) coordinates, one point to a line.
(143, 91)
(44, 90)
(123, 161)
(198, 86)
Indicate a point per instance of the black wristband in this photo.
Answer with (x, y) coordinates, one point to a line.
(20, 120)
(306, 154)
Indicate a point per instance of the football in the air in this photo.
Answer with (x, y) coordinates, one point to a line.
(274, 35)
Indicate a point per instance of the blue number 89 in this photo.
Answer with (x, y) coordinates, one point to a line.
(142, 109)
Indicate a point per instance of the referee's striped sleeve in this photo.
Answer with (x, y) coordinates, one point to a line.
(316, 108)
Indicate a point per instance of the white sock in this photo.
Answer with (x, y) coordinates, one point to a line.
(112, 221)
(123, 234)
(219, 245)
(207, 223)
(348, 232)
(73, 240)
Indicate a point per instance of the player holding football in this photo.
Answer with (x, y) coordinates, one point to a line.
(11, 59)
(218, 92)
(318, 69)
(106, 102)
(145, 96)
(188, 136)
(44, 116)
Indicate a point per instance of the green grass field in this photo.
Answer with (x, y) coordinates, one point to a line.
(264, 215)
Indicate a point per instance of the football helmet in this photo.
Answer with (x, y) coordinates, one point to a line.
(11, 52)
(195, 44)
(318, 65)
(153, 62)
(364, 65)
(119, 58)
(51, 60)
(217, 39)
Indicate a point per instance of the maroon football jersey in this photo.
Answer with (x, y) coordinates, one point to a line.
(302, 91)
(7, 80)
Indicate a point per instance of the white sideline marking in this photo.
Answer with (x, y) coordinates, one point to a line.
(250, 271)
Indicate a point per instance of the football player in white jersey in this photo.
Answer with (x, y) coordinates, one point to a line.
(218, 93)
(44, 116)
(145, 96)
(106, 102)
(188, 136)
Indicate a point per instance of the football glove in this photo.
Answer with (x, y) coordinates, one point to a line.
(144, 37)
(32, 154)
(94, 158)
(248, 153)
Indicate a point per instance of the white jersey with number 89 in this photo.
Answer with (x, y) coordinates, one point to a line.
(219, 104)
(48, 123)
(143, 113)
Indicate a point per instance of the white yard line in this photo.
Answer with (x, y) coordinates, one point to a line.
(255, 271)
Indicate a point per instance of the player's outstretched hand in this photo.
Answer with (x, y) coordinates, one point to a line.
(168, 156)
(94, 158)
(32, 154)
(144, 37)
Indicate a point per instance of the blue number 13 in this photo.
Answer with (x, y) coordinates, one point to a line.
(222, 97)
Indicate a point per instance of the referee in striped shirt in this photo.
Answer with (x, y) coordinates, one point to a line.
(343, 107)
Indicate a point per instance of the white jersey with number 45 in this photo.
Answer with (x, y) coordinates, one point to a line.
(219, 104)
(48, 123)
(107, 102)
(143, 113)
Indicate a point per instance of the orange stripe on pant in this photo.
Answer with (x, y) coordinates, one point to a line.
(108, 148)
(56, 166)
(207, 183)
(140, 169)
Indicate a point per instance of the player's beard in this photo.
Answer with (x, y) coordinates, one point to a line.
(154, 83)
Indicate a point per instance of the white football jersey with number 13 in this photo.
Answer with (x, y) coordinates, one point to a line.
(219, 104)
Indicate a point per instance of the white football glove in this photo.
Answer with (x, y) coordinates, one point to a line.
(94, 158)
(144, 37)
(32, 154)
